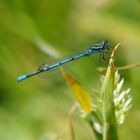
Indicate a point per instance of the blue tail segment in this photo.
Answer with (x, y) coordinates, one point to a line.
(21, 78)
(95, 48)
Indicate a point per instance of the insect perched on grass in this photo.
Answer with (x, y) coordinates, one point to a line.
(95, 48)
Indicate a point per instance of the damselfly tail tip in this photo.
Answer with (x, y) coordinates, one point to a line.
(21, 78)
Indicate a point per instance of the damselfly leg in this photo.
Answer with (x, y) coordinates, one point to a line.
(102, 55)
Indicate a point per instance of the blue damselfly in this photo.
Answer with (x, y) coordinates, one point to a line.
(95, 48)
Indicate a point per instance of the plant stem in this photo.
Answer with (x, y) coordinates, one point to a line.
(108, 108)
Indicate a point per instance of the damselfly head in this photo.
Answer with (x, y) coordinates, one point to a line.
(105, 45)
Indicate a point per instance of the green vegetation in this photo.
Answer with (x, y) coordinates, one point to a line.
(33, 32)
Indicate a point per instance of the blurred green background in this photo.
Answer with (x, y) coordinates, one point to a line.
(33, 32)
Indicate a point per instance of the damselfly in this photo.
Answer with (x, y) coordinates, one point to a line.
(95, 48)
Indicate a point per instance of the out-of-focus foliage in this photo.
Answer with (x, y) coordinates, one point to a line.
(33, 32)
(81, 96)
